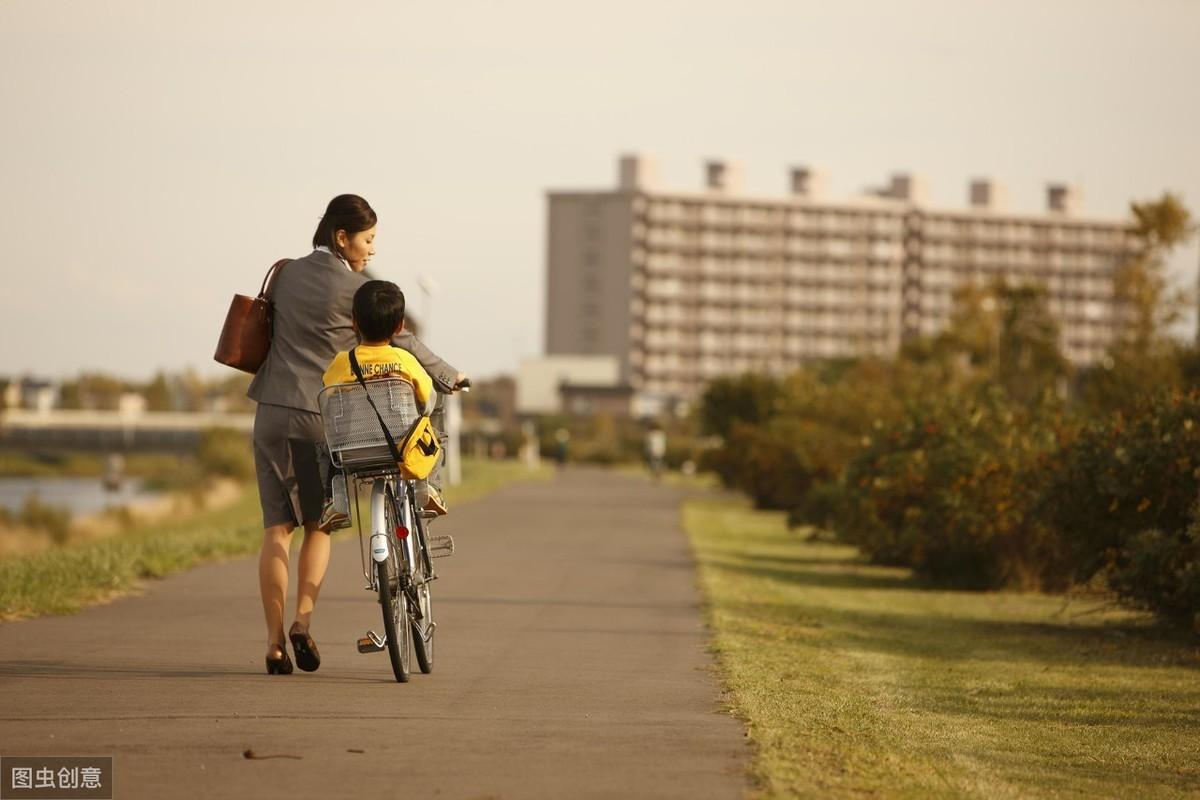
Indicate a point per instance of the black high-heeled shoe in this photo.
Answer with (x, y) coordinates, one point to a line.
(281, 665)
(308, 658)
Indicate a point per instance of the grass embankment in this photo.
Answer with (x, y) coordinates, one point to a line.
(853, 680)
(672, 477)
(62, 580)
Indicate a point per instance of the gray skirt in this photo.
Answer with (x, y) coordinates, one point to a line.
(290, 486)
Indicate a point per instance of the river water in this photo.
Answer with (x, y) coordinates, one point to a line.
(77, 495)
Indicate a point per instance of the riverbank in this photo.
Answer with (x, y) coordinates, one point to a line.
(22, 464)
(63, 579)
(55, 526)
(853, 680)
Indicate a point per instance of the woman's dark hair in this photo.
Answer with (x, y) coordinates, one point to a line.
(378, 310)
(346, 212)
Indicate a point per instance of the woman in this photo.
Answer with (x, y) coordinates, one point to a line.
(311, 298)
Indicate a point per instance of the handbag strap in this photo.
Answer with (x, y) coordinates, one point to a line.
(386, 433)
(268, 278)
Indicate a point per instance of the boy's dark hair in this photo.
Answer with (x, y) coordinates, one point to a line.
(346, 212)
(378, 310)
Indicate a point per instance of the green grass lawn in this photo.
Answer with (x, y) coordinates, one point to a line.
(481, 476)
(855, 681)
(61, 580)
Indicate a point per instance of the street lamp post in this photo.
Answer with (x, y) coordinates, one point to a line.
(451, 410)
(992, 308)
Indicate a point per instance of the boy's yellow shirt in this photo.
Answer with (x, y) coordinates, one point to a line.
(379, 362)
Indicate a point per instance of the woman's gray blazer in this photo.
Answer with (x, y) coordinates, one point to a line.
(312, 297)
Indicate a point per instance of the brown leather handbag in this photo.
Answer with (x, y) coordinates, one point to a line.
(246, 335)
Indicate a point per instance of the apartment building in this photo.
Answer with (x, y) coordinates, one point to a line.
(684, 286)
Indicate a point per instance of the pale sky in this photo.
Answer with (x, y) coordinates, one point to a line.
(157, 156)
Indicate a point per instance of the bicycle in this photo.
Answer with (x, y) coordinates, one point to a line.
(401, 549)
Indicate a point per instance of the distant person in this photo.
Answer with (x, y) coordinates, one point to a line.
(656, 449)
(530, 451)
(562, 446)
(114, 472)
(312, 298)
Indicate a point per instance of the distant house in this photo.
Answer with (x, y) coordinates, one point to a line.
(28, 393)
(540, 383)
(581, 399)
(40, 396)
(131, 404)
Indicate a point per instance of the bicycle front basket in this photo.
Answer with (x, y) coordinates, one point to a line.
(356, 442)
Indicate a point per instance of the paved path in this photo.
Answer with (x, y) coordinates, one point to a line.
(571, 663)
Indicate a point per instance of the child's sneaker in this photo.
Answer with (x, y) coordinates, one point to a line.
(434, 502)
(332, 519)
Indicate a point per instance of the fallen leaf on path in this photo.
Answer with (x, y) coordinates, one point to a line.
(251, 754)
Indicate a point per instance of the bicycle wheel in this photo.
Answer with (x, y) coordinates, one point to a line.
(422, 616)
(395, 615)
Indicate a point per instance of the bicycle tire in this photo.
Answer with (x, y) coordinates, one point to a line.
(422, 644)
(394, 605)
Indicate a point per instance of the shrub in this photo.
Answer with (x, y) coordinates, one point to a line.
(1160, 572)
(225, 452)
(780, 462)
(1138, 471)
(749, 399)
(1122, 496)
(781, 440)
(948, 492)
(34, 514)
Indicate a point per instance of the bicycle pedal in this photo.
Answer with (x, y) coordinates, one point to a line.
(441, 546)
(371, 643)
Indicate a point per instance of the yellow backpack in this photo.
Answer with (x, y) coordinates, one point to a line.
(418, 452)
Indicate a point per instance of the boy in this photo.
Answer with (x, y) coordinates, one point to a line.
(377, 315)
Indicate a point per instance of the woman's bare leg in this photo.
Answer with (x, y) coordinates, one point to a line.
(273, 580)
(314, 559)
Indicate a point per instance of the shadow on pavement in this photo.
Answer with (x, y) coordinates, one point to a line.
(533, 601)
(60, 669)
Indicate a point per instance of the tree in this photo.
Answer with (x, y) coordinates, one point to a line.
(1029, 363)
(1147, 304)
(158, 394)
(192, 390)
(1002, 334)
(973, 329)
(92, 391)
(1143, 356)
